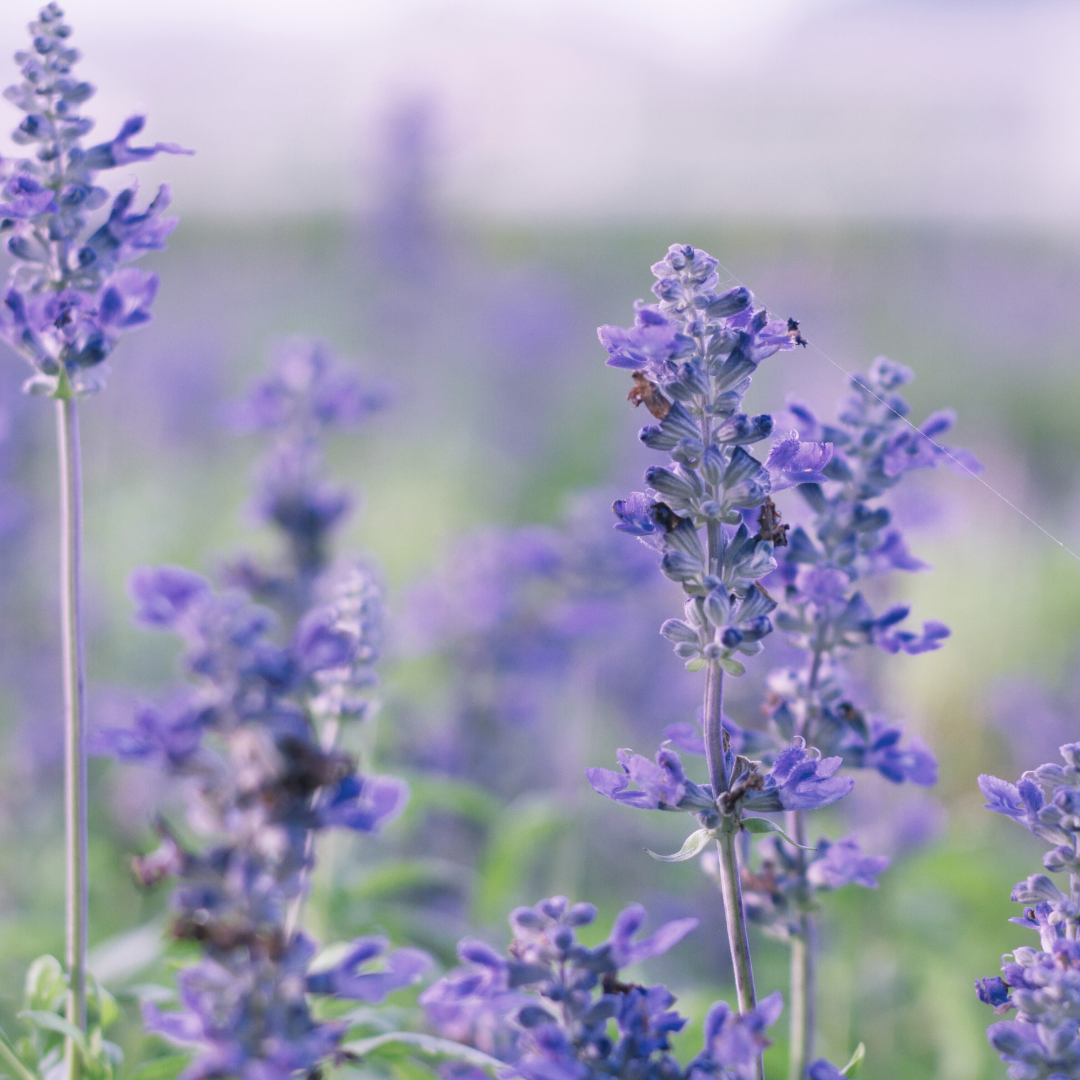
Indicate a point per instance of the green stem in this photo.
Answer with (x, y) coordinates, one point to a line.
(74, 664)
(803, 1015)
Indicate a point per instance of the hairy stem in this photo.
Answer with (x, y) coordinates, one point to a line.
(74, 663)
(803, 1015)
(735, 917)
(730, 883)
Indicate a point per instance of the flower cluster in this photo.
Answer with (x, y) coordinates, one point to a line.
(1043, 985)
(70, 295)
(800, 779)
(692, 356)
(850, 536)
(517, 615)
(261, 783)
(308, 392)
(781, 885)
(545, 1008)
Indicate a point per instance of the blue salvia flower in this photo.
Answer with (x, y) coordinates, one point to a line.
(308, 393)
(70, 296)
(692, 356)
(1043, 985)
(546, 1007)
(261, 784)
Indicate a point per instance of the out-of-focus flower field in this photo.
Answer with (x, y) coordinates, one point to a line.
(486, 488)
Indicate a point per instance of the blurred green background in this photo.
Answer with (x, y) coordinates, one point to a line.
(166, 482)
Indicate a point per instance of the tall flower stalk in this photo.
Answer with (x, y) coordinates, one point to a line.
(66, 305)
(692, 357)
(850, 536)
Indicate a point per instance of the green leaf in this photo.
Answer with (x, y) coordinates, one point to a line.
(120, 957)
(732, 666)
(12, 1060)
(851, 1069)
(433, 793)
(108, 1012)
(428, 1045)
(764, 825)
(693, 845)
(162, 1068)
(46, 985)
(697, 664)
(52, 1022)
(398, 875)
(410, 1069)
(518, 840)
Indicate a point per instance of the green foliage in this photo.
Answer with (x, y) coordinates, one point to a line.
(517, 842)
(44, 998)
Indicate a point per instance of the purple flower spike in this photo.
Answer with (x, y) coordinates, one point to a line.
(68, 301)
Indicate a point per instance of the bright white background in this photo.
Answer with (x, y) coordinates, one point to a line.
(616, 109)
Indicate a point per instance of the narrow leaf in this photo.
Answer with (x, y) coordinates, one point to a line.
(694, 845)
(52, 1022)
(425, 1044)
(732, 666)
(119, 958)
(764, 825)
(851, 1069)
(162, 1068)
(13, 1061)
(697, 664)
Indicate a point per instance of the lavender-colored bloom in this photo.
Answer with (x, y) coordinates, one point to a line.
(252, 1024)
(662, 785)
(792, 461)
(823, 1069)
(625, 951)
(733, 1043)
(993, 991)
(345, 979)
(67, 301)
(309, 388)
(545, 1008)
(1043, 985)
(914, 762)
(308, 392)
(652, 344)
(800, 780)
(261, 782)
(841, 862)
(634, 514)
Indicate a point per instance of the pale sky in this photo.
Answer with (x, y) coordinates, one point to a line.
(610, 109)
